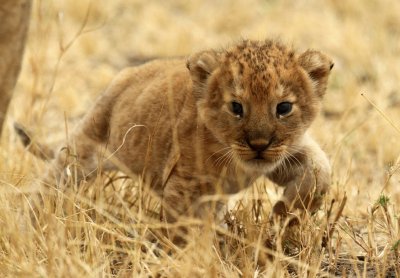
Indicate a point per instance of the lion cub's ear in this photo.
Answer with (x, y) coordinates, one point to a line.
(318, 67)
(201, 65)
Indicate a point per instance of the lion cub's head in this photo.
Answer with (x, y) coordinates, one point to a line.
(259, 98)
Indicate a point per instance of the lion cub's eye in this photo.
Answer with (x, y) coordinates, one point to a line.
(283, 108)
(237, 109)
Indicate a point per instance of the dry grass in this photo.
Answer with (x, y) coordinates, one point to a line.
(103, 229)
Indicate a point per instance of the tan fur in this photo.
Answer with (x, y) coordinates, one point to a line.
(171, 121)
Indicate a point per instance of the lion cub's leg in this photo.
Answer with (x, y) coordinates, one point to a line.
(76, 162)
(182, 201)
(83, 155)
(306, 177)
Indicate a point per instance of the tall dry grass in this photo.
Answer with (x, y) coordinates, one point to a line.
(110, 227)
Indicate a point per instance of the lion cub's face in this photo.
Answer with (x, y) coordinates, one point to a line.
(259, 98)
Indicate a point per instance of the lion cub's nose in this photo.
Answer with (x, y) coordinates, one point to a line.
(258, 145)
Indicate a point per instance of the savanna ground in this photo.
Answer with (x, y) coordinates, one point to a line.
(103, 228)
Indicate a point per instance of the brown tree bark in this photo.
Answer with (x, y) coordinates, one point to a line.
(14, 22)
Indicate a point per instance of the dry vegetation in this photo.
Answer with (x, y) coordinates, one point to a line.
(104, 228)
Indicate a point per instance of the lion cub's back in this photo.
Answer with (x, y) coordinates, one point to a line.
(142, 110)
(148, 91)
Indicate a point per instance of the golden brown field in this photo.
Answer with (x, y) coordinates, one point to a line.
(102, 229)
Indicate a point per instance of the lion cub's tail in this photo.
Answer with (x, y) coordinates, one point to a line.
(37, 149)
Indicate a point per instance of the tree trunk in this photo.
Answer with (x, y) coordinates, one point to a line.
(14, 22)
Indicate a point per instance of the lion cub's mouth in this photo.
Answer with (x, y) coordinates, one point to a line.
(254, 160)
(260, 158)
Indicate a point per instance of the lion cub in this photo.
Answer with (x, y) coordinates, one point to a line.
(211, 124)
